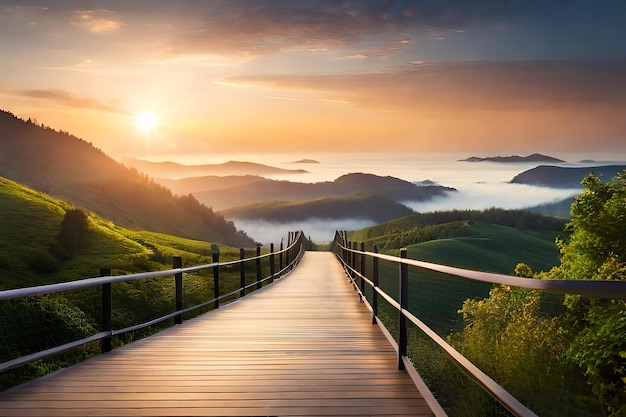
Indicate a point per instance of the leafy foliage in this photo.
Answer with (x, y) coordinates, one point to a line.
(512, 333)
(74, 231)
(596, 249)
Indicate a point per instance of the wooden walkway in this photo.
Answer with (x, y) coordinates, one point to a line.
(303, 346)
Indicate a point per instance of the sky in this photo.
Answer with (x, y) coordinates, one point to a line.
(486, 77)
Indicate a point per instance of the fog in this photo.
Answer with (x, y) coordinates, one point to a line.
(318, 230)
(487, 195)
(479, 185)
(473, 197)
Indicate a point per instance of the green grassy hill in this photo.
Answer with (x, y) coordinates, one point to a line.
(493, 240)
(30, 222)
(422, 227)
(493, 248)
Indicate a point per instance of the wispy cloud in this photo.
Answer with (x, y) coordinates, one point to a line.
(97, 21)
(63, 99)
(256, 28)
(476, 85)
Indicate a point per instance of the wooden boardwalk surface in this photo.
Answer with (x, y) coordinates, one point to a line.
(303, 346)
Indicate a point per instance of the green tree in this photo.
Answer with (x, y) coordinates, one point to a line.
(73, 233)
(596, 249)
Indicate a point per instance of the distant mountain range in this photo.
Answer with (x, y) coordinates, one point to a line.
(227, 192)
(564, 177)
(536, 157)
(175, 170)
(374, 208)
(71, 169)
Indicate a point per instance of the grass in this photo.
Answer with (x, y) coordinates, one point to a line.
(492, 248)
(30, 222)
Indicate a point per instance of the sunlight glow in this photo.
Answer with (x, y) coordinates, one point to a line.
(146, 122)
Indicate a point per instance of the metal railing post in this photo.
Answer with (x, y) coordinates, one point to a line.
(259, 284)
(272, 269)
(280, 257)
(352, 257)
(242, 273)
(403, 297)
(362, 269)
(374, 292)
(106, 312)
(216, 279)
(178, 277)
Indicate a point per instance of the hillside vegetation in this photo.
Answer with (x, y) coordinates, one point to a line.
(72, 170)
(33, 252)
(378, 209)
(423, 227)
(565, 177)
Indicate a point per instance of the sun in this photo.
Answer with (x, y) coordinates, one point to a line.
(146, 122)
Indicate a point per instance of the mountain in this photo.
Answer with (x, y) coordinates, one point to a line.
(72, 170)
(564, 177)
(175, 170)
(347, 185)
(191, 185)
(536, 157)
(378, 209)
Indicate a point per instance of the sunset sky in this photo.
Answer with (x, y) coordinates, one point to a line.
(244, 76)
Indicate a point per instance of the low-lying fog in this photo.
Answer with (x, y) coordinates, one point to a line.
(480, 185)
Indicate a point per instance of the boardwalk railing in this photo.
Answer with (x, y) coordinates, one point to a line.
(287, 259)
(354, 258)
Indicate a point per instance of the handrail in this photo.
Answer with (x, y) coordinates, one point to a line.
(586, 287)
(295, 242)
(346, 251)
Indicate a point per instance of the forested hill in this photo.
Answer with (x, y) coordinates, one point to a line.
(565, 177)
(73, 170)
(422, 227)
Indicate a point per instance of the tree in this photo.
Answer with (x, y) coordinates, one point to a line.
(73, 233)
(596, 249)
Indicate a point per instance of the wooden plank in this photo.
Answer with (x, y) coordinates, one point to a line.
(304, 345)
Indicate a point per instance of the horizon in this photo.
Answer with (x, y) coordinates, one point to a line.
(167, 80)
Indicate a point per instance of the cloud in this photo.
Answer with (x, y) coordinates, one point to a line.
(63, 99)
(435, 87)
(252, 28)
(97, 21)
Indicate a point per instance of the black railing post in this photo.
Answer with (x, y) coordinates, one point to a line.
(288, 250)
(272, 269)
(404, 301)
(374, 292)
(259, 284)
(178, 277)
(354, 247)
(242, 273)
(106, 312)
(362, 269)
(280, 257)
(216, 279)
